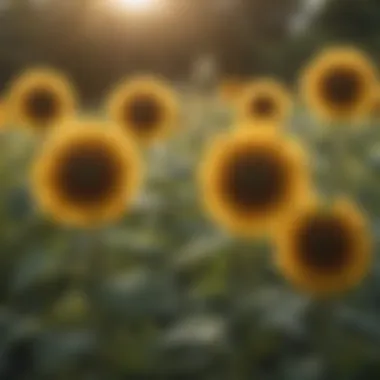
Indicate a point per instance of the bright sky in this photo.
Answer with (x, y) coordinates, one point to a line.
(309, 8)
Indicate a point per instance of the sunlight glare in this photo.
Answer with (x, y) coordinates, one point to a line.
(137, 5)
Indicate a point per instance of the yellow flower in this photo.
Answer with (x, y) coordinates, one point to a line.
(250, 178)
(39, 98)
(322, 250)
(145, 107)
(265, 102)
(86, 174)
(338, 84)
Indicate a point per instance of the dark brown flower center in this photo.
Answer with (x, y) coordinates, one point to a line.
(324, 243)
(42, 105)
(144, 112)
(263, 106)
(254, 180)
(341, 87)
(87, 174)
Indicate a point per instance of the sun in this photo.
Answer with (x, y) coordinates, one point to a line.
(137, 5)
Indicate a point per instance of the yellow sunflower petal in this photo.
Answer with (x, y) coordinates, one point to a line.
(248, 179)
(41, 97)
(145, 107)
(86, 174)
(265, 102)
(338, 84)
(324, 250)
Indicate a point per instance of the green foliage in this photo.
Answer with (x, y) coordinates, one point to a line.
(82, 33)
(350, 21)
(164, 293)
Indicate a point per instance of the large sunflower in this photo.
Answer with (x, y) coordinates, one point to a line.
(86, 174)
(338, 84)
(264, 102)
(144, 106)
(39, 98)
(249, 178)
(324, 250)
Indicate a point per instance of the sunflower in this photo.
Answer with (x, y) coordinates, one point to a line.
(230, 89)
(144, 106)
(39, 98)
(264, 102)
(86, 174)
(249, 178)
(338, 85)
(325, 250)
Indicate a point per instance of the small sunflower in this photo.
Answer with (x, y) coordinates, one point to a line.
(249, 178)
(230, 89)
(86, 174)
(39, 98)
(264, 102)
(144, 106)
(338, 85)
(325, 250)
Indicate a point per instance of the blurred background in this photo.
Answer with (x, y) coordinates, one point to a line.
(158, 296)
(97, 41)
